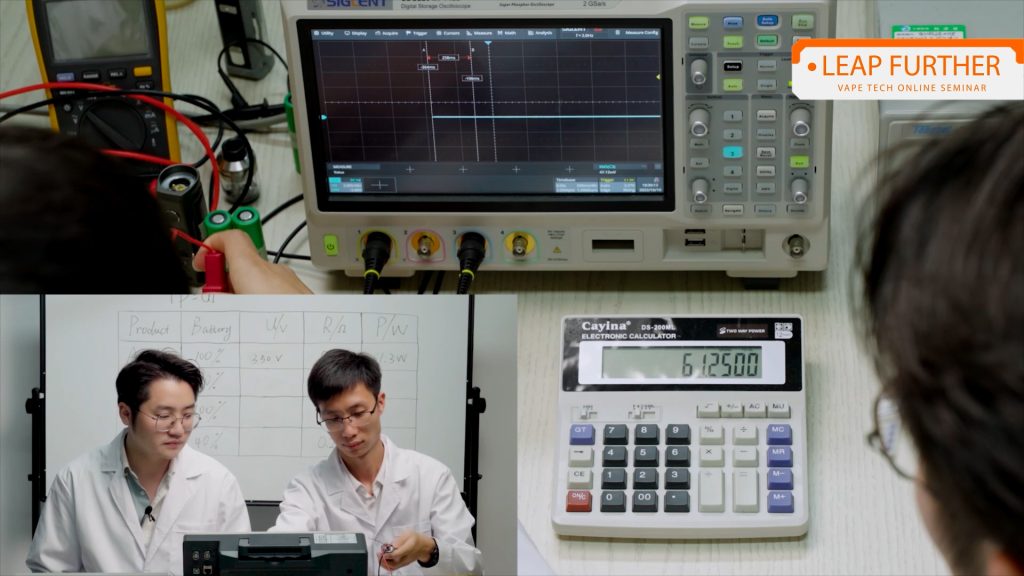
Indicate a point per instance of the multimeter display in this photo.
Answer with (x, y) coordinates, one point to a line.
(88, 29)
(685, 361)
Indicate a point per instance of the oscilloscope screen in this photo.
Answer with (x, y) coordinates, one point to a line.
(493, 115)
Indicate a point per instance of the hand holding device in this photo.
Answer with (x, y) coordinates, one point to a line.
(248, 272)
(407, 548)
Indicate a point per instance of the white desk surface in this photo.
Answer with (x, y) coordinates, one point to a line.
(863, 518)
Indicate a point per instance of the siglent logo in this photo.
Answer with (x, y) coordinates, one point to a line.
(379, 4)
(605, 326)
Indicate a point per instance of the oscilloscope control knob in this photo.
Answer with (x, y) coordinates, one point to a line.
(113, 124)
(801, 120)
(699, 189)
(799, 190)
(699, 72)
(700, 121)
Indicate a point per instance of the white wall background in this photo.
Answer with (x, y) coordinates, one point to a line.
(19, 373)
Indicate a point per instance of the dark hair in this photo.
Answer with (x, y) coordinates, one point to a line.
(66, 210)
(943, 307)
(338, 371)
(134, 379)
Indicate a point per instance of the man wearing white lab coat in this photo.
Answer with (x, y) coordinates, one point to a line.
(126, 507)
(407, 504)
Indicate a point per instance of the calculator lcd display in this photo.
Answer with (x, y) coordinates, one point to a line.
(663, 362)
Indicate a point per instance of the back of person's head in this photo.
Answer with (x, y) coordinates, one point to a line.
(149, 366)
(72, 220)
(338, 371)
(943, 280)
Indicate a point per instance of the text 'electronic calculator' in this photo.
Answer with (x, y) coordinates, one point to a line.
(681, 427)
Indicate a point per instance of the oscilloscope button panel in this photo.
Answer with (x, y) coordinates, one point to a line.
(748, 140)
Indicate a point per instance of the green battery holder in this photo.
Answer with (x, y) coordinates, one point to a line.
(248, 220)
(216, 221)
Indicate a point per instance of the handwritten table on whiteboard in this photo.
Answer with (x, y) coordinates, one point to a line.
(255, 366)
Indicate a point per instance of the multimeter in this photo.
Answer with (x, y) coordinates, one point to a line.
(120, 43)
(681, 427)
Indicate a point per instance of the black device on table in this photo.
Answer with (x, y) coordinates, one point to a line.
(262, 553)
(240, 20)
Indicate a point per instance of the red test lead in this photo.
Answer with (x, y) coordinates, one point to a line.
(216, 274)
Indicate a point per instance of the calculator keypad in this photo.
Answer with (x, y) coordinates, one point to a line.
(651, 468)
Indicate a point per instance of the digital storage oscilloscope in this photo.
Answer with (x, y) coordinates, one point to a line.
(571, 134)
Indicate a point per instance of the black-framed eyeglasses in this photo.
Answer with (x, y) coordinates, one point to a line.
(356, 418)
(166, 423)
(891, 438)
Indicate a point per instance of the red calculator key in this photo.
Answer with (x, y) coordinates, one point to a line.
(578, 501)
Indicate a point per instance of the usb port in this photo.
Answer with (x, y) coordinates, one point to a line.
(694, 231)
(700, 242)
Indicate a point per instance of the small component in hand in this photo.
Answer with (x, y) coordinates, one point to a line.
(387, 548)
(216, 274)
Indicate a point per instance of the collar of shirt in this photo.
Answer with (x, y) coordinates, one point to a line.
(139, 495)
(352, 483)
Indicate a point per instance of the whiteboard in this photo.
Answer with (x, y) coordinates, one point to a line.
(255, 353)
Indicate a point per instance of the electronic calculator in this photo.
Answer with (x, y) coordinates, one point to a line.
(681, 427)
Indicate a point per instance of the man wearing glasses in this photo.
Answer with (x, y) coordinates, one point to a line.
(943, 281)
(407, 504)
(126, 507)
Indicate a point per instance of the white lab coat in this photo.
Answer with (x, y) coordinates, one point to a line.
(89, 522)
(419, 494)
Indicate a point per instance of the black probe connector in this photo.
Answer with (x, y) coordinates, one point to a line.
(375, 256)
(471, 253)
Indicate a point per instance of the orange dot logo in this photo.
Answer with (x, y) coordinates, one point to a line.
(812, 66)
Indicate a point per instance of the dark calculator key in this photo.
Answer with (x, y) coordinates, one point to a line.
(780, 479)
(645, 478)
(645, 434)
(645, 456)
(613, 456)
(677, 434)
(613, 501)
(677, 501)
(780, 457)
(581, 435)
(780, 502)
(645, 501)
(617, 434)
(613, 479)
(677, 478)
(678, 456)
(779, 435)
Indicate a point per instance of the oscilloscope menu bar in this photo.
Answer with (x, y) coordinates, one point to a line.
(491, 34)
